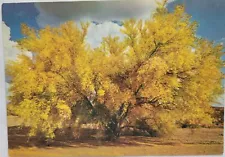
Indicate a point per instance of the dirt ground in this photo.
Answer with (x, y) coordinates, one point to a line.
(183, 142)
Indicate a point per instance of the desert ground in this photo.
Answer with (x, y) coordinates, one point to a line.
(202, 141)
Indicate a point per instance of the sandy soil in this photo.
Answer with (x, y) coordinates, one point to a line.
(183, 142)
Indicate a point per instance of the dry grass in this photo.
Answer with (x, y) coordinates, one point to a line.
(118, 151)
(183, 142)
(13, 121)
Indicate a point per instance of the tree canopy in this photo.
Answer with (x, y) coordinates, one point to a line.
(161, 72)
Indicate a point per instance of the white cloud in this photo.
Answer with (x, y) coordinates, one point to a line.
(97, 31)
(9, 47)
(103, 12)
(10, 50)
(100, 11)
(220, 101)
(170, 1)
(221, 41)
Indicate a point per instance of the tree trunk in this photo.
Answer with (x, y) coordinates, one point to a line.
(113, 127)
(112, 130)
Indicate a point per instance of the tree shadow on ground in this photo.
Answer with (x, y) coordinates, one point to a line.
(18, 137)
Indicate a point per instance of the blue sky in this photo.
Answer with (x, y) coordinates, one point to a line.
(14, 14)
(105, 17)
(208, 13)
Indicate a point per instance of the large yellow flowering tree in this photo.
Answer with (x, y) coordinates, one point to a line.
(159, 71)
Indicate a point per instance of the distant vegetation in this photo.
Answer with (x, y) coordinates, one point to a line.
(218, 116)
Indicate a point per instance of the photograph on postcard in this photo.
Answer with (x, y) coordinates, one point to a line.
(114, 78)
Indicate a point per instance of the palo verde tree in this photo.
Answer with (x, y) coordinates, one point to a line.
(160, 71)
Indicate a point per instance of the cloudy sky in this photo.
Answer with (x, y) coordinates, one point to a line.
(105, 16)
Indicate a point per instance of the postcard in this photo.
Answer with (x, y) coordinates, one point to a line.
(114, 78)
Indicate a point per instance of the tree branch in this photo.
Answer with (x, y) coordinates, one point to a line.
(144, 100)
(180, 73)
(137, 91)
